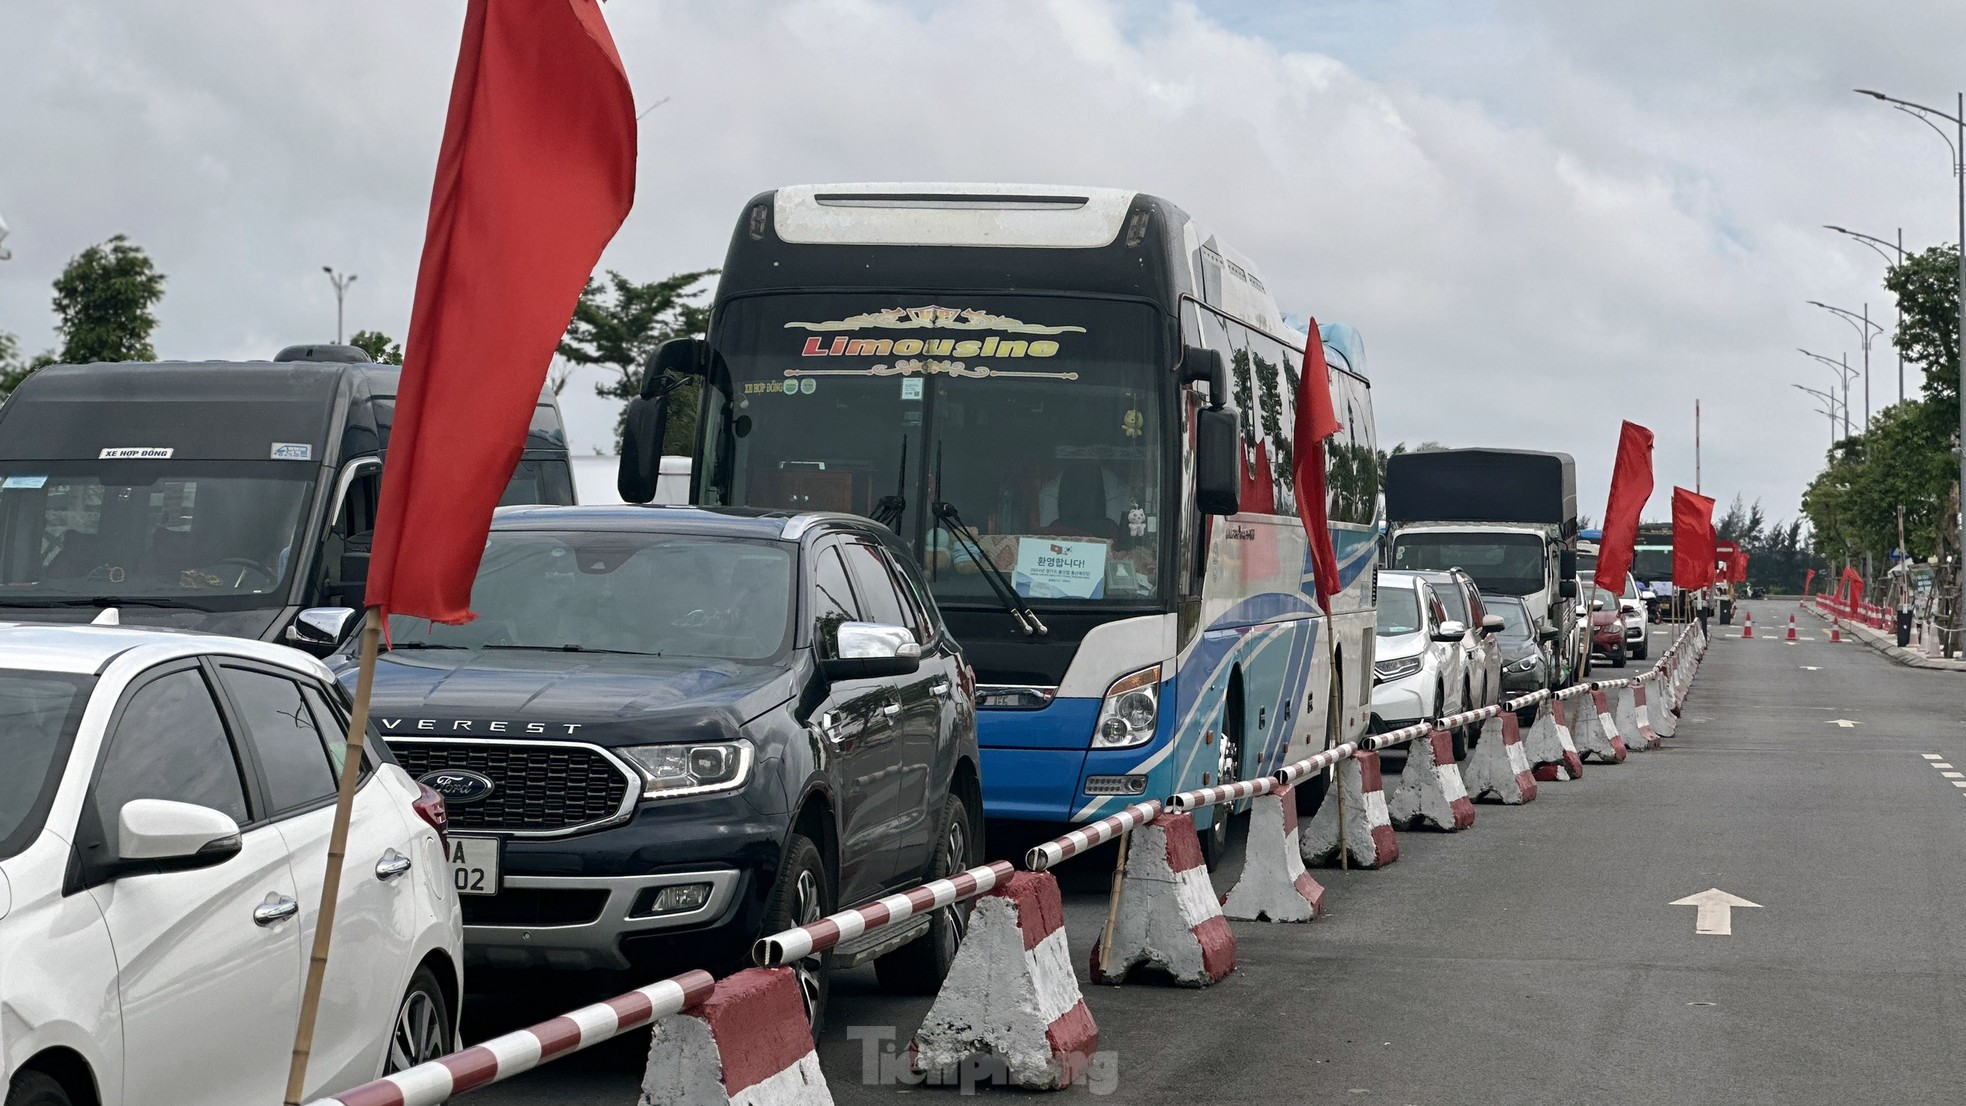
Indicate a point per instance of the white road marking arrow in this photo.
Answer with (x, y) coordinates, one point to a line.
(1716, 916)
(1844, 722)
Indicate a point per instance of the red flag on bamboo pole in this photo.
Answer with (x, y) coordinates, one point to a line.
(1692, 540)
(536, 173)
(1631, 486)
(1317, 420)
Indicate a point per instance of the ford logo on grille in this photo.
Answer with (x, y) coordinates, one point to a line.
(458, 786)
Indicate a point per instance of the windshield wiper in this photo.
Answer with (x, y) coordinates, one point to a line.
(423, 645)
(97, 601)
(1027, 619)
(889, 510)
(572, 648)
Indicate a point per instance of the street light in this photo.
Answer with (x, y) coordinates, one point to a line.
(1829, 408)
(341, 284)
(1957, 143)
(1897, 248)
(1843, 372)
(1864, 328)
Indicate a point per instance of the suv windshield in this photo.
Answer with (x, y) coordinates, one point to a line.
(663, 595)
(1039, 418)
(1511, 564)
(212, 534)
(1399, 611)
(38, 715)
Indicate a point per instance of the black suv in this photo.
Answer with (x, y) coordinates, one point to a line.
(671, 730)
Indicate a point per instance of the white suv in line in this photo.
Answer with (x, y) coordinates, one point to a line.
(164, 815)
(1418, 662)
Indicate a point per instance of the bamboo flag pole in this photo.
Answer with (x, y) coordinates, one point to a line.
(351, 774)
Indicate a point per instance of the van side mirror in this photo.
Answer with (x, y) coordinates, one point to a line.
(869, 650)
(1218, 462)
(161, 834)
(321, 630)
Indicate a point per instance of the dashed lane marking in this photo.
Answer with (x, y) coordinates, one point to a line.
(1931, 756)
(1952, 775)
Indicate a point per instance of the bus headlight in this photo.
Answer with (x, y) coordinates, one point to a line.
(1130, 711)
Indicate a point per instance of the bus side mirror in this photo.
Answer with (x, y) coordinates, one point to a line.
(1218, 453)
(641, 448)
(677, 358)
(1200, 365)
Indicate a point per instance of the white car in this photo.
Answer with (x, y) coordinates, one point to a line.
(164, 817)
(1638, 627)
(1418, 656)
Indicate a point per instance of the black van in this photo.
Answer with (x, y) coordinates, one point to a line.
(223, 496)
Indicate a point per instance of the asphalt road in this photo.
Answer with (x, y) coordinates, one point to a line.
(1534, 959)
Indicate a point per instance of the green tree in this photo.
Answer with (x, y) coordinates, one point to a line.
(379, 346)
(618, 325)
(13, 367)
(103, 302)
(1927, 287)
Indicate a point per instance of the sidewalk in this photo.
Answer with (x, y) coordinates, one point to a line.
(1887, 644)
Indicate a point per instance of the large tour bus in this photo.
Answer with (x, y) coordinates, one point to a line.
(1075, 406)
(234, 497)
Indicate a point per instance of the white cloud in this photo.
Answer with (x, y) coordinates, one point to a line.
(1544, 222)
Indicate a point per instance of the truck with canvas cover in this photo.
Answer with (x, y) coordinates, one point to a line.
(1508, 518)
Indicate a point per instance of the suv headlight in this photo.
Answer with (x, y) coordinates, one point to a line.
(1397, 668)
(672, 771)
(1130, 711)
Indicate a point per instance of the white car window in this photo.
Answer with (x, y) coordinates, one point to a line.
(292, 754)
(171, 744)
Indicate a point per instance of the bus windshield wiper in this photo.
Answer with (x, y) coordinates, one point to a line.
(1027, 619)
(889, 510)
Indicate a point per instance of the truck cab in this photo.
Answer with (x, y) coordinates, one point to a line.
(219, 496)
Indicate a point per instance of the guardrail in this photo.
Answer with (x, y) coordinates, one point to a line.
(799, 942)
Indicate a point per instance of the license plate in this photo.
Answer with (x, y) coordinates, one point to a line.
(474, 865)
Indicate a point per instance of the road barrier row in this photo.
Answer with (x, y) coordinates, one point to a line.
(1011, 996)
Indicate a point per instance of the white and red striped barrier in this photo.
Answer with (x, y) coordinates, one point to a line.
(748, 1044)
(1430, 793)
(1607, 719)
(792, 945)
(1353, 824)
(1629, 713)
(1071, 844)
(1290, 775)
(1189, 801)
(1589, 735)
(501, 1058)
(1553, 751)
(1010, 995)
(1167, 916)
(1274, 885)
(1663, 721)
(1498, 767)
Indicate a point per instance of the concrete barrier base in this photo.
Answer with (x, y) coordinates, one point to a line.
(1168, 915)
(1274, 885)
(1553, 756)
(1353, 819)
(1593, 743)
(1498, 768)
(748, 1044)
(1430, 793)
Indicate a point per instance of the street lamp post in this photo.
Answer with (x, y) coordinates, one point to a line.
(1865, 328)
(1829, 407)
(1843, 372)
(1958, 143)
(1898, 250)
(341, 284)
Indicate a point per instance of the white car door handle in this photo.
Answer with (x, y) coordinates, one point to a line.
(391, 865)
(276, 909)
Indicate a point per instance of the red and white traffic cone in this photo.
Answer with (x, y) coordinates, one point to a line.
(1791, 633)
(1835, 632)
(1010, 995)
(1748, 630)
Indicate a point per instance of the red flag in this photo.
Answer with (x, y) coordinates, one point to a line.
(1740, 568)
(536, 173)
(1631, 486)
(1808, 581)
(1692, 540)
(1317, 419)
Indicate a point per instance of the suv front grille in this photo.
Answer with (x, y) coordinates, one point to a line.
(541, 788)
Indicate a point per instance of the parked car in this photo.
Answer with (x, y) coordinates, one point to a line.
(1481, 657)
(1526, 662)
(1607, 627)
(1418, 655)
(163, 837)
(671, 731)
(1638, 622)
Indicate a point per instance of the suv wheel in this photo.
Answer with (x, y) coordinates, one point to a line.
(422, 1030)
(802, 896)
(920, 966)
(33, 1088)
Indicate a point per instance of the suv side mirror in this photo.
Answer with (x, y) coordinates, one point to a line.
(321, 630)
(1492, 624)
(1597, 604)
(173, 836)
(1450, 630)
(869, 650)
(1218, 462)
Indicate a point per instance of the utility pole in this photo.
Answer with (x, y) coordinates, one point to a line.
(341, 284)
(5, 253)
(1696, 447)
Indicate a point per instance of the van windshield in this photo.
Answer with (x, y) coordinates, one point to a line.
(661, 595)
(215, 535)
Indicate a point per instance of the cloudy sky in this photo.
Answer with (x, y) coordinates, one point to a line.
(1544, 215)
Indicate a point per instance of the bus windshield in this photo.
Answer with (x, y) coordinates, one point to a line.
(1652, 562)
(1511, 564)
(1037, 419)
(215, 535)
